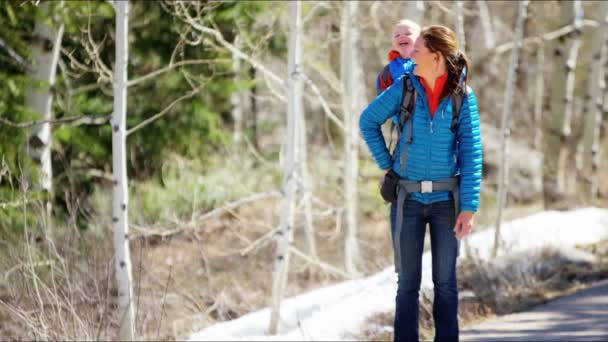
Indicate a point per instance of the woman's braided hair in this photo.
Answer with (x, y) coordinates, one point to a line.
(441, 39)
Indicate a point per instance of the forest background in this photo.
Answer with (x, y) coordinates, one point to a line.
(208, 92)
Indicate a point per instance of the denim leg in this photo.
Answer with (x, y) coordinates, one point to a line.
(412, 245)
(444, 249)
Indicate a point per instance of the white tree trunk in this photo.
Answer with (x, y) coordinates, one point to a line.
(120, 200)
(304, 182)
(553, 187)
(462, 43)
(506, 111)
(414, 10)
(45, 56)
(539, 95)
(486, 24)
(552, 193)
(236, 99)
(566, 130)
(353, 102)
(594, 106)
(294, 105)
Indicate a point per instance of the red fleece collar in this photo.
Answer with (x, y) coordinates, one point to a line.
(432, 97)
(392, 55)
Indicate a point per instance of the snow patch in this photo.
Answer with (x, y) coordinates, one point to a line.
(336, 311)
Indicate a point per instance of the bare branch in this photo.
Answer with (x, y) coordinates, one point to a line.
(545, 37)
(321, 264)
(164, 111)
(14, 55)
(158, 72)
(211, 214)
(324, 104)
(311, 13)
(238, 53)
(260, 242)
(73, 120)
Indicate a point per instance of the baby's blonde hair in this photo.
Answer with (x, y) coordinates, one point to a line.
(408, 23)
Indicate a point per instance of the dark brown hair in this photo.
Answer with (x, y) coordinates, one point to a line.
(441, 39)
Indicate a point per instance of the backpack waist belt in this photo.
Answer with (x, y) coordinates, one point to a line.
(407, 187)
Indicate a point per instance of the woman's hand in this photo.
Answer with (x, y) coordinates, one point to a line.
(464, 224)
(381, 181)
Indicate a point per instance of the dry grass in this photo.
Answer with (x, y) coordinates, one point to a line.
(187, 281)
(190, 280)
(57, 287)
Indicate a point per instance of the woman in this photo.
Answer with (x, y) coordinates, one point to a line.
(405, 33)
(437, 163)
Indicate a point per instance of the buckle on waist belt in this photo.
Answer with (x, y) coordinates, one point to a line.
(426, 186)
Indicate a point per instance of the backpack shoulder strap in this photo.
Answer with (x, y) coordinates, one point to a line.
(408, 99)
(384, 79)
(457, 100)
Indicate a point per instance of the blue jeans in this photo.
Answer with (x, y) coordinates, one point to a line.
(444, 249)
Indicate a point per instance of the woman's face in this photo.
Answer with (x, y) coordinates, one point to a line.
(425, 60)
(403, 39)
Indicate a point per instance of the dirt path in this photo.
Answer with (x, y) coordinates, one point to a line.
(582, 316)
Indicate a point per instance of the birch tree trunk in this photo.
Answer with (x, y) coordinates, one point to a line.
(486, 24)
(45, 56)
(553, 130)
(506, 111)
(304, 184)
(539, 95)
(353, 102)
(566, 131)
(414, 10)
(594, 106)
(236, 99)
(120, 199)
(294, 106)
(462, 44)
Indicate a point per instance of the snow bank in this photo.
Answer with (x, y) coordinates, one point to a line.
(333, 312)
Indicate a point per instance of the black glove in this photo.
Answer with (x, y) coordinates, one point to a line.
(390, 182)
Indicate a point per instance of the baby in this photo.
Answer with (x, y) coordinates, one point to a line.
(405, 33)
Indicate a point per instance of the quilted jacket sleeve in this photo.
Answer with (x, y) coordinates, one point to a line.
(469, 153)
(381, 109)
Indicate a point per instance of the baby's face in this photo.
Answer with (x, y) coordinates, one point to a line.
(403, 39)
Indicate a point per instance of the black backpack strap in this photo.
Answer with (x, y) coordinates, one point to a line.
(408, 100)
(457, 100)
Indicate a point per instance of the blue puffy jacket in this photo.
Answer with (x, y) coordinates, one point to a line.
(434, 153)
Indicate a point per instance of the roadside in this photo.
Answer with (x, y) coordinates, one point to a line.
(515, 284)
(578, 317)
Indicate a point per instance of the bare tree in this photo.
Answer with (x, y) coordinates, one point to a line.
(595, 102)
(506, 111)
(120, 198)
(294, 107)
(236, 98)
(459, 23)
(46, 46)
(539, 94)
(557, 129)
(566, 130)
(486, 24)
(304, 182)
(353, 102)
